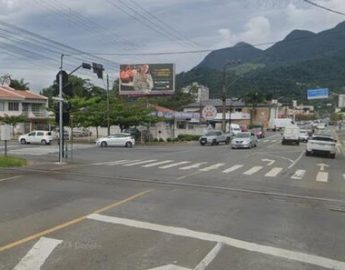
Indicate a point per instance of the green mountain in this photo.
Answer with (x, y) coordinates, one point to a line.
(300, 61)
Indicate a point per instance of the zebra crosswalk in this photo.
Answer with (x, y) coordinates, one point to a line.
(269, 172)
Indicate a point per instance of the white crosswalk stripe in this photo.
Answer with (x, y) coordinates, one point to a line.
(266, 140)
(174, 165)
(193, 166)
(274, 172)
(322, 177)
(120, 162)
(157, 163)
(212, 167)
(299, 174)
(274, 141)
(233, 168)
(253, 170)
(111, 162)
(140, 162)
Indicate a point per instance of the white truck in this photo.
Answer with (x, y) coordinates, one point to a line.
(279, 123)
(291, 135)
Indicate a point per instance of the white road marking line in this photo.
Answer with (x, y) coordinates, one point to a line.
(274, 172)
(322, 177)
(274, 141)
(212, 167)
(10, 178)
(108, 162)
(298, 174)
(240, 244)
(37, 255)
(170, 267)
(344, 175)
(253, 170)
(174, 164)
(338, 148)
(140, 162)
(193, 166)
(121, 162)
(266, 140)
(296, 160)
(233, 168)
(157, 163)
(209, 257)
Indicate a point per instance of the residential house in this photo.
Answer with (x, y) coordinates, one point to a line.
(17, 102)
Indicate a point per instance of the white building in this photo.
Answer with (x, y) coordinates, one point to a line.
(23, 102)
(199, 92)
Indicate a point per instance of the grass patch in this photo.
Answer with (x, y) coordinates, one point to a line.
(12, 162)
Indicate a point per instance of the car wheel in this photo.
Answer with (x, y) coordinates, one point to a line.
(227, 141)
(44, 142)
(214, 142)
(104, 144)
(23, 141)
(129, 145)
(297, 143)
(332, 155)
(307, 153)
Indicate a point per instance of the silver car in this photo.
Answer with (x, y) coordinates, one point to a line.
(244, 140)
(121, 139)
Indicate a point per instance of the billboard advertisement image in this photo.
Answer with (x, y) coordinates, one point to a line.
(147, 79)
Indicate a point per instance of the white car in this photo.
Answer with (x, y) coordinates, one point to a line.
(121, 139)
(244, 140)
(321, 144)
(37, 136)
(303, 135)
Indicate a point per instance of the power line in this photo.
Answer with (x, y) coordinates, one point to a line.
(325, 8)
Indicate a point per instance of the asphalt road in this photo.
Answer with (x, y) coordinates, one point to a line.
(179, 206)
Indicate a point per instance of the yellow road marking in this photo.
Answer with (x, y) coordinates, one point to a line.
(71, 222)
(10, 178)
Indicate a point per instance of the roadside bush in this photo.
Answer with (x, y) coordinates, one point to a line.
(161, 140)
(169, 140)
(155, 140)
(187, 137)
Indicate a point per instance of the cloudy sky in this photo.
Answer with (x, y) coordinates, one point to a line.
(34, 33)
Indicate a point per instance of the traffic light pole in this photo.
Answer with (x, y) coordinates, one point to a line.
(60, 113)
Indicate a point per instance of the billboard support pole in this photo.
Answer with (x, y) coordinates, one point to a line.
(61, 135)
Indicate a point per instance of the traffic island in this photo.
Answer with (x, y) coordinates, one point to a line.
(12, 162)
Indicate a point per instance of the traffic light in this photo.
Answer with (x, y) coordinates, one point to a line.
(66, 107)
(98, 69)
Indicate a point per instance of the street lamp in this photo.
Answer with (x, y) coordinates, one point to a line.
(232, 62)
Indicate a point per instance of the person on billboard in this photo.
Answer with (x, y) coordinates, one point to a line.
(142, 80)
(127, 74)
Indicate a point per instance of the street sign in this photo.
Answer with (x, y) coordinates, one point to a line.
(319, 93)
(5, 134)
(209, 112)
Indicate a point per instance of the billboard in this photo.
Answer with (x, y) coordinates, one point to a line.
(147, 79)
(317, 93)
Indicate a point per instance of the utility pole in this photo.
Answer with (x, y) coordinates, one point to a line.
(60, 112)
(108, 107)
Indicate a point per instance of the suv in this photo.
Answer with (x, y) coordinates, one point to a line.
(322, 144)
(215, 137)
(38, 136)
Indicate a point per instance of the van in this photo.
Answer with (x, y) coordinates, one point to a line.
(291, 135)
(279, 123)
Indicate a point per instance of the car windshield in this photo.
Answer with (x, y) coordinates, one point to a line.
(326, 139)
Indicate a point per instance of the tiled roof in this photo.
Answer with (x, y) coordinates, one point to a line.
(9, 93)
(162, 109)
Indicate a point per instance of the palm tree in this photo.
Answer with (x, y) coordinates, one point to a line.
(253, 98)
(19, 84)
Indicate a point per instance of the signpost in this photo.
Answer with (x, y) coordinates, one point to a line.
(319, 93)
(5, 135)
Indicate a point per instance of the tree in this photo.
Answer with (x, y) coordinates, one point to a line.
(13, 120)
(253, 98)
(19, 84)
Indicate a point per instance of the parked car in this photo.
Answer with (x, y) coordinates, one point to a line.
(303, 135)
(121, 139)
(214, 137)
(244, 140)
(259, 132)
(81, 132)
(37, 136)
(321, 144)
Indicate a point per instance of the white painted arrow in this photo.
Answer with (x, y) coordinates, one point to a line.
(322, 166)
(344, 175)
(270, 161)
